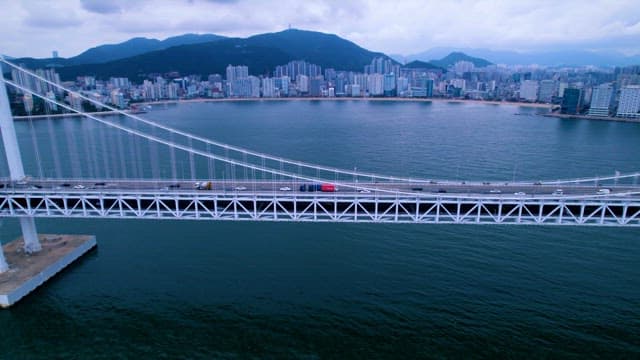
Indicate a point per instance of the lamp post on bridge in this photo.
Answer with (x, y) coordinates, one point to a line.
(16, 170)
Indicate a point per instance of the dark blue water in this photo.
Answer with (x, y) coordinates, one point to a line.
(175, 289)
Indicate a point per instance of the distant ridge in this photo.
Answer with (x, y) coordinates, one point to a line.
(261, 53)
(111, 52)
(137, 46)
(417, 64)
(547, 58)
(454, 57)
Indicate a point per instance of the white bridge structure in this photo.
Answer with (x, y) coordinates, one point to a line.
(127, 166)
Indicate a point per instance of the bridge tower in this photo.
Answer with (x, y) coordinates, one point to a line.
(16, 171)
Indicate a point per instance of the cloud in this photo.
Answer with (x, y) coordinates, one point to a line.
(101, 6)
(49, 15)
(407, 26)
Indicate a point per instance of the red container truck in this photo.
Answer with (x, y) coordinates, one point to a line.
(327, 188)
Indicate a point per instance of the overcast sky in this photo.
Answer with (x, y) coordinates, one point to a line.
(35, 27)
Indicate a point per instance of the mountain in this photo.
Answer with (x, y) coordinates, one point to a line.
(326, 50)
(454, 57)
(110, 52)
(546, 58)
(207, 58)
(137, 46)
(5, 68)
(261, 53)
(417, 64)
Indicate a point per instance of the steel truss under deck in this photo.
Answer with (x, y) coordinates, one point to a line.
(320, 207)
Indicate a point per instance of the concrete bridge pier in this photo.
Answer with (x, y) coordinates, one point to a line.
(30, 235)
(16, 170)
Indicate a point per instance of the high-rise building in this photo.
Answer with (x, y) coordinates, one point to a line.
(302, 82)
(379, 65)
(629, 103)
(389, 84)
(269, 87)
(282, 84)
(546, 90)
(461, 67)
(529, 90)
(561, 88)
(355, 90)
(27, 101)
(601, 99)
(459, 83)
(237, 72)
(571, 101)
(316, 86)
(375, 84)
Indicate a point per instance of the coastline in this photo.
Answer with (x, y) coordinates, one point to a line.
(590, 117)
(381, 99)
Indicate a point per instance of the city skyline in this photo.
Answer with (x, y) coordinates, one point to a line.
(37, 28)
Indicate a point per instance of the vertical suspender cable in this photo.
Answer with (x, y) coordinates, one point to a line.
(36, 149)
(54, 149)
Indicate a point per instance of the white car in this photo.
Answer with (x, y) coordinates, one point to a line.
(604, 191)
(495, 191)
(519, 193)
(558, 192)
(240, 188)
(79, 187)
(285, 188)
(364, 191)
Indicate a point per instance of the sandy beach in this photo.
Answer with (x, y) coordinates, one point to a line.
(382, 99)
(210, 100)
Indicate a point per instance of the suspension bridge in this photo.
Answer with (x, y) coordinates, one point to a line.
(128, 166)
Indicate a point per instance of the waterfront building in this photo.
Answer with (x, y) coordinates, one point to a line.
(561, 88)
(316, 86)
(269, 87)
(629, 103)
(546, 91)
(302, 83)
(361, 80)
(529, 90)
(282, 84)
(171, 90)
(49, 105)
(340, 84)
(571, 101)
(355, 90)
(375, 84)
(601, 100)
(389, 84)
(254, 85)
(75, 101)
(27, 101)
(402, 86)
(237, 72)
